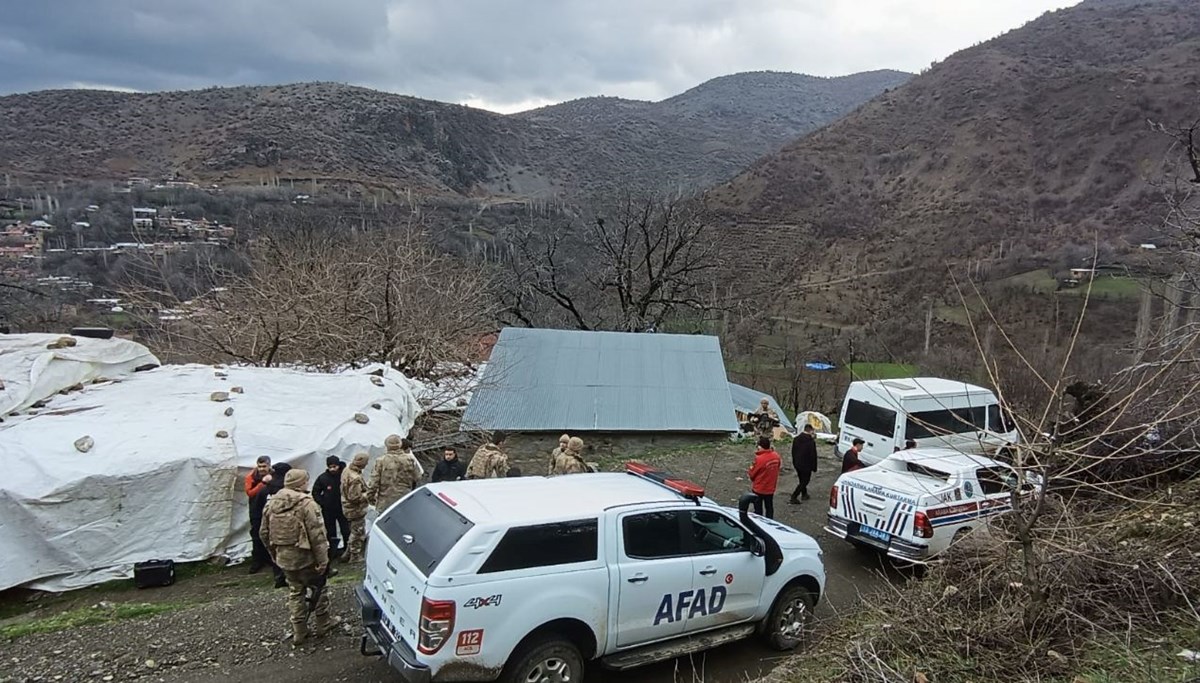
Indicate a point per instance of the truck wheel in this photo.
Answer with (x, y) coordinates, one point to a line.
(789, 619)
(544, 660)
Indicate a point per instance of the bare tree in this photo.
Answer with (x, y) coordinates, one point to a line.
(629, 266)
(319, 296)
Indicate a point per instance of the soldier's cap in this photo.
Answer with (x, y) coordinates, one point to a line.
(765, 401)
(360, 459)
(575, 444)
(296, 479)
(564, 438)
(392, 442)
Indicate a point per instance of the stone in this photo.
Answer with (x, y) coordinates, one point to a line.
(237, 390)
(361, 419)
(222, 434)
(151, 664)
(61, 343)
(229, 411)
(377, 381)
(84, 444)
(376, 406)
(219, 396)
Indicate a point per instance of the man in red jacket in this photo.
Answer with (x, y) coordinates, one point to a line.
(764, 477)
(256, 481)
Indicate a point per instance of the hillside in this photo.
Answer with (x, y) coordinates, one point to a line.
(336, 132)
(1017, 146)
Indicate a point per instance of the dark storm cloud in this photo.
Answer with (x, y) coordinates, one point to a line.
(502, 54)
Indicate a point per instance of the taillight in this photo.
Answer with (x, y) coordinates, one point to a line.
(921, 526)
(833, 496)
(437, 623)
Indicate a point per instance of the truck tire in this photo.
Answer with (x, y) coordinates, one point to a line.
(550, 658)
(789, 619)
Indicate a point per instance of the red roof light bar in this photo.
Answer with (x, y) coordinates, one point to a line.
(680, 486)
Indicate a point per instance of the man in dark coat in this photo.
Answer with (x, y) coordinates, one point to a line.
(327, 491)
(449, 468)
(804, 459)
(259, 502)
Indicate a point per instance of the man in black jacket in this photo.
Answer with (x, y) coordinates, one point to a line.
(327, 491)
(449, 468)
(259, 502)
(804, 459)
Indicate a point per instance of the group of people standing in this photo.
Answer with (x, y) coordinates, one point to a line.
(764, 473)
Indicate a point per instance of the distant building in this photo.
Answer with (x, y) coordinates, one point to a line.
(144, 217)
(621, 392)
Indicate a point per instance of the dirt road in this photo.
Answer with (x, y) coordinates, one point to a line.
(229, 626)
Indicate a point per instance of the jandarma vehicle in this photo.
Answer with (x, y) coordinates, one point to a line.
(915, 503)
(530, 578)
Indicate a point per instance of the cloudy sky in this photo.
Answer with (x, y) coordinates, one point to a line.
(504, 55)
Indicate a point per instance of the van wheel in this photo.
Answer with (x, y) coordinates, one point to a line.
(788, 623)
(545, 660)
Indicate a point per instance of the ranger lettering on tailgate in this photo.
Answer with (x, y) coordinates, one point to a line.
(700, 602)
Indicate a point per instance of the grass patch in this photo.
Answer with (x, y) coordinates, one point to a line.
(86, 616)
(1040, 281)
(1109, 288)
(882, 370)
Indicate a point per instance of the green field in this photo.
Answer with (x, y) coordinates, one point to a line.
(1109, 288)
(882, 370)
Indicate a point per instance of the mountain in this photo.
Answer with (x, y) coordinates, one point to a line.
(343, 133)
(721, 126)
(1014, 147)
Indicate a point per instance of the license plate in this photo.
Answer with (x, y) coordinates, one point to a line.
(387, 626)
(872, 533)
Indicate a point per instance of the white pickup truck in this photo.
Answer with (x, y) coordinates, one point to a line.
(915, 503)
(528, 578)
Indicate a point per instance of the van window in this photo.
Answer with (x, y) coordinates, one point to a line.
(544, 545)
(874, 419)
(999, 420)
(423, 528)
(929, 423)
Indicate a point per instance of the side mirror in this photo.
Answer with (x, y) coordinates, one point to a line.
(757, 547)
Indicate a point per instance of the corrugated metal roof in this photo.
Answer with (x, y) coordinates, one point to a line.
(563, 380)
(746, 400)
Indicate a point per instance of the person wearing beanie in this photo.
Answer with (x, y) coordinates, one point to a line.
(570, 460)
(394, 475)
(259, 503)
(354, 506)
(327, 491)
(558, 450)
(294, 533)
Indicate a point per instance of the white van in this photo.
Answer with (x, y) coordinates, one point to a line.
(936, 413)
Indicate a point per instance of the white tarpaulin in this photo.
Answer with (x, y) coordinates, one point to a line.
(160, 482)
(31, 372)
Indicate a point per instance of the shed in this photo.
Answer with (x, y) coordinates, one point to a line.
(746, 400)
(619, 391)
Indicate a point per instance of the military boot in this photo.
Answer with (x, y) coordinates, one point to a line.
(299, 636)
(323, 628)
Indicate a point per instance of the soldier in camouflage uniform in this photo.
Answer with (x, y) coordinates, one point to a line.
(765, 420)
(558, 450)
(294, 533)
(570, 461)
(354, 506)
(394, 475)
(489, 461)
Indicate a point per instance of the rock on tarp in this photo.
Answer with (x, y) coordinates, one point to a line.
(158, 483)
(31, 372)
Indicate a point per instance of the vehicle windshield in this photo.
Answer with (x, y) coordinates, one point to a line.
(424, 528)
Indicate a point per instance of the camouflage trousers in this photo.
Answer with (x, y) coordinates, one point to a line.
(358, 534)
(297, 581)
